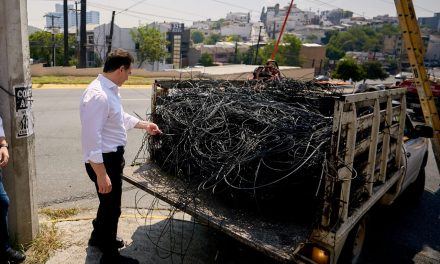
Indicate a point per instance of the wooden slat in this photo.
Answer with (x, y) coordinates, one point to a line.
(346, 172)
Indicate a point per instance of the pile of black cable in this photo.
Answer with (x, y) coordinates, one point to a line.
(256, 145)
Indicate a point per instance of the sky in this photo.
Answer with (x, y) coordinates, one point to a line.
(132, 13)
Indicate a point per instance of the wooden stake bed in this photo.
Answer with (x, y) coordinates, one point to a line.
(276, 239)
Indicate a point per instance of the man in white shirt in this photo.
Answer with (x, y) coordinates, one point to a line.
(7, 254)
(103, 135)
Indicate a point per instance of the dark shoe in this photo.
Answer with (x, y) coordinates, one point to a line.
(94, 242)
(12, 256)
(116, 258)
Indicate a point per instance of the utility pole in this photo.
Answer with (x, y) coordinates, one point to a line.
(110, 38)
(52, 29)
(258, 45)
(16, 111)
(83, 36)
(77, 30)
(66, 35)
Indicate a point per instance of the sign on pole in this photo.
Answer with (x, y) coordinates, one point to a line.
(23, 114)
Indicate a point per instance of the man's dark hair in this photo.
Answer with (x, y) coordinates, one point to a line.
(116, 59)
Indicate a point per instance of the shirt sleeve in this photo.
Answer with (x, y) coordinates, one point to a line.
(93, 112)
(2, 132)
(130, 121)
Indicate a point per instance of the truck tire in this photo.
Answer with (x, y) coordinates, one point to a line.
(352, 250)
(417, 188)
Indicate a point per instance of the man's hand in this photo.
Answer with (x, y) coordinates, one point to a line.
(151, 128)
(4, 157)
(102, 179)
(104, 183)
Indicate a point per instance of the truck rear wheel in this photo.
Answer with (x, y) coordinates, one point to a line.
(352, 250)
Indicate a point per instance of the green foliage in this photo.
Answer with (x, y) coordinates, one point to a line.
(334, 53)
(206, 59)
(391, 65)
(233, 38)
(348, 68)
(311, 38)
(212, 39)
(197, 36)
(41, 47)
(151, 44)
(362, 38)
(327, 36)
(374, 70)
(246, 57)
(288, 51)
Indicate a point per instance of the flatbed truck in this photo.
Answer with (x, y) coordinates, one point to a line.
(370, 131)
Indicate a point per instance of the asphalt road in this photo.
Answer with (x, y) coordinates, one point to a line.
(61, 174)
(405, 233)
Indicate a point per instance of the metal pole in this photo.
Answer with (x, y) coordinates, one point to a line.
(258, 45)
(275, 50)
(83, 36)
(111, 34)
(53, 43)
(66, 35)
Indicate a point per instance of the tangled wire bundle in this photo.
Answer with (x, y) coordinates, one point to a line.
(256, 141)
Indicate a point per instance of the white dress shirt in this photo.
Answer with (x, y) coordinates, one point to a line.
(104, 123)
(2, 132)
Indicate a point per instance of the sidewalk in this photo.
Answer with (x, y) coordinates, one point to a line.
(141, 229)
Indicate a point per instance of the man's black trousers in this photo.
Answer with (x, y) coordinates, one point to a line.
(105, 225)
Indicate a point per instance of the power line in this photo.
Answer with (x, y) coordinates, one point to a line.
(175, 10)
(138, 12)
(130, 7)
(233, 5)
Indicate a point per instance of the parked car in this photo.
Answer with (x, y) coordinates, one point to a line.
(322, 78)
(403, 75)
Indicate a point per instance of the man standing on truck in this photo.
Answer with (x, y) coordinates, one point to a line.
(104, 126)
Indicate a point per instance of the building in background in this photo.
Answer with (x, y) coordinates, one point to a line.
(55, 20)
(433, 23)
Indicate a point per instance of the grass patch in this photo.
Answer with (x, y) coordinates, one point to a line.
(133, 80)
(60, 213)
(47, 241)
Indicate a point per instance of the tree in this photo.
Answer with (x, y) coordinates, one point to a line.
(233, 38)
(197, 36)
(374, 71)
(246, 57)
(151, 43)
(212, 39)
(206, 59)
(347, 69)
(288, 51)
(291, 50)
(311, 38)
(41, 47)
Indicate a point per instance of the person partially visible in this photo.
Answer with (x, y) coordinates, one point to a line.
(7, 254)
(104, 126)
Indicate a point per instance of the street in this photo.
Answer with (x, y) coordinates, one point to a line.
(61, 175)
(405, 233)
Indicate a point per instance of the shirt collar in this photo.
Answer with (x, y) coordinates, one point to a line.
(108, 83)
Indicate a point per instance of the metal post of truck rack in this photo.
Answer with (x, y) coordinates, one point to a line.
(373, 147)
(415, 49)
(386, 140)
(345, 173)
